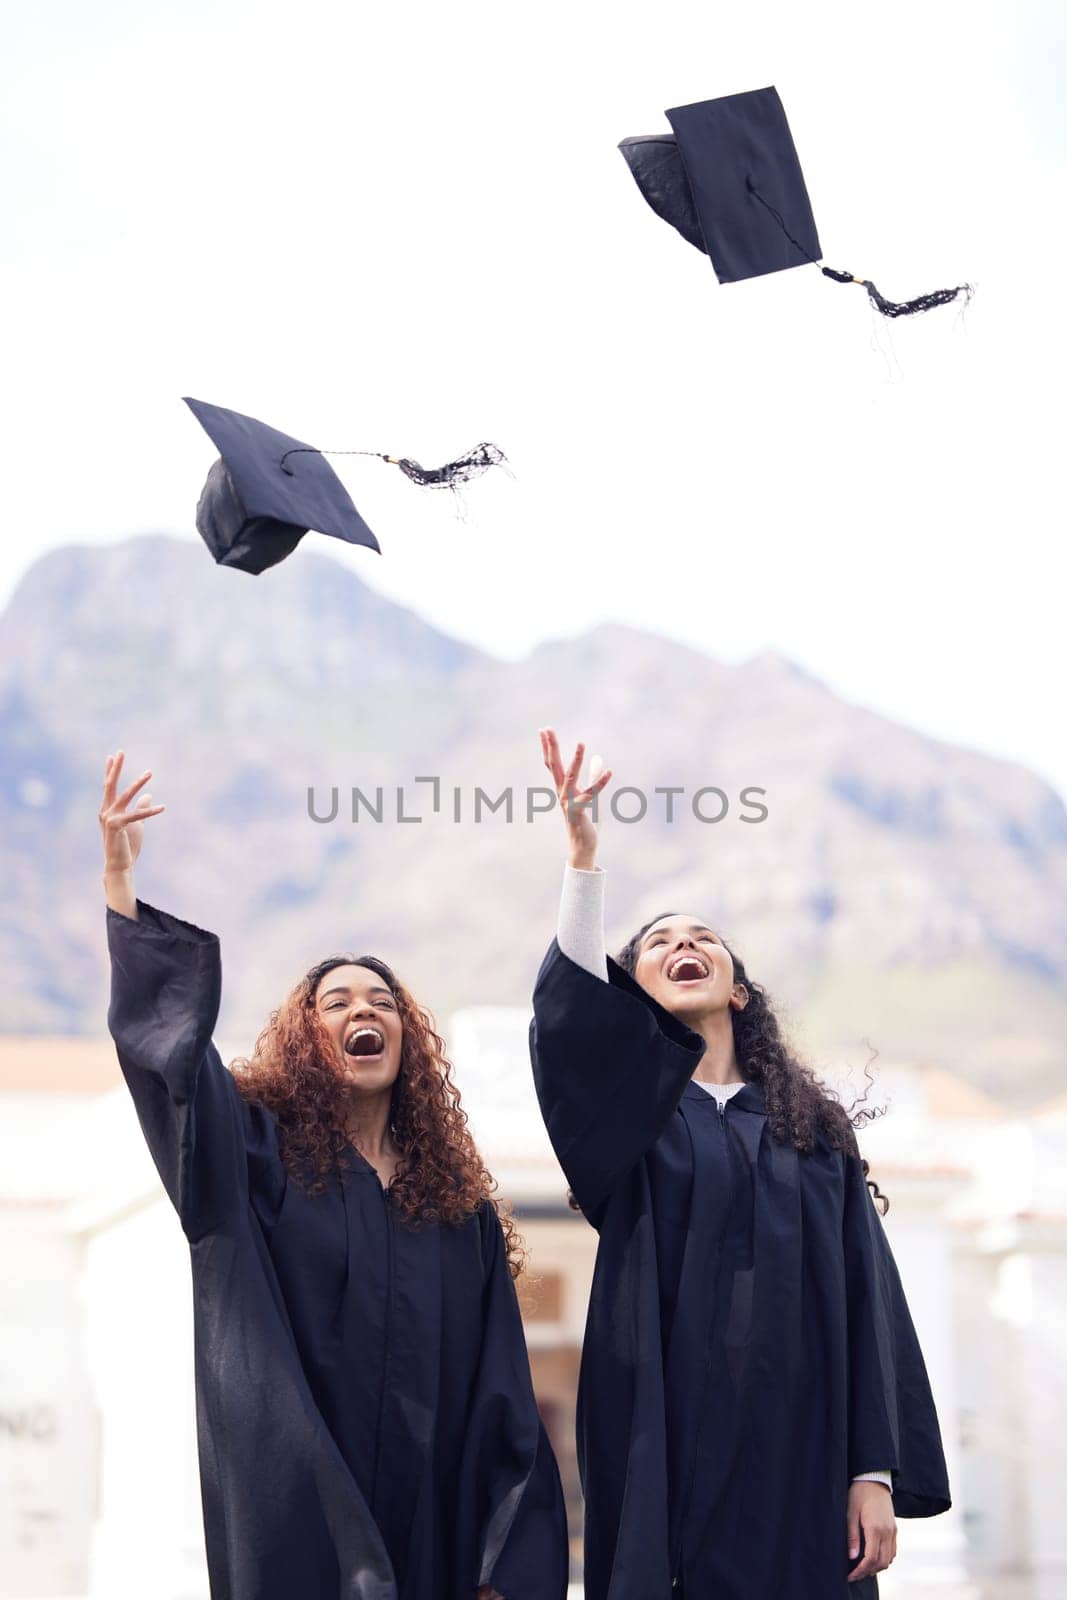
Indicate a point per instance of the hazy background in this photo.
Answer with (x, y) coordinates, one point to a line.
(756, 536)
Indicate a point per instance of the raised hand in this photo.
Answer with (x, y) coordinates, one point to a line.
(575, 802)
(121, 828)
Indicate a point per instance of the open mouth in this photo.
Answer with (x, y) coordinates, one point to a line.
(687, 969)
(365, 1042)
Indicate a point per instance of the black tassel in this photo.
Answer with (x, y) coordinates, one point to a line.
(903, 308)
(462, 470)
(888, 308)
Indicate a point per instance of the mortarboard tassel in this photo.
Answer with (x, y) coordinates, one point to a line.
(465, 467)
(888, 308)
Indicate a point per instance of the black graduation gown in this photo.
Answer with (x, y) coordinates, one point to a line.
(366, 1421)
(748, 1347)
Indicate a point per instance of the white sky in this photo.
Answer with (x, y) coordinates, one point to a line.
(407, 227)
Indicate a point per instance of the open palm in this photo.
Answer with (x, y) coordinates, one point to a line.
(122, 829)
(575, 802)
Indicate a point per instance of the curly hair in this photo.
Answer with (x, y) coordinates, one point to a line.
(800, 1106)
(440, 1176)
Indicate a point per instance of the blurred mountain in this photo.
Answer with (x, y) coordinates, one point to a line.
(901, 895)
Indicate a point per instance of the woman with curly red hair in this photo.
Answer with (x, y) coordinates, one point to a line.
(367, 1424)
(753, 1408)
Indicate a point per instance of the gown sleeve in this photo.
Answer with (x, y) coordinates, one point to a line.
(511, 1491)
(892, 1419)
(165, 989)
(609, 1064)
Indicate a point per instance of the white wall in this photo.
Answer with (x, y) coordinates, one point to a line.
(47, 1420)
(139, 1346)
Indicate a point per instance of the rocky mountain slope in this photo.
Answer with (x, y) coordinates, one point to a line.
(898, 891)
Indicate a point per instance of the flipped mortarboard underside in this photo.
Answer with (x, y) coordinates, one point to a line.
(656, 163)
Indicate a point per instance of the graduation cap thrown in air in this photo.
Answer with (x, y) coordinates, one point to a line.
(728, 178)
(267, 490)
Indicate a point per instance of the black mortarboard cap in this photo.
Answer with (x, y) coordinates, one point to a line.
(266, 491)
(729, 179)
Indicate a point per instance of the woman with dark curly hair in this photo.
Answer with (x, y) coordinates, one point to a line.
(753, 1404)
(366, 1420)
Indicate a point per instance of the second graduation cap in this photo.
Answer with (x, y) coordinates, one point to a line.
(268, 489)
(729, 179)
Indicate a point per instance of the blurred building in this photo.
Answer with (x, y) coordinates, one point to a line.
(99, 1495)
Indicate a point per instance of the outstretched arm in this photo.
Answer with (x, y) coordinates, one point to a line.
(580, 930)
(609, 1062)
(166, 979)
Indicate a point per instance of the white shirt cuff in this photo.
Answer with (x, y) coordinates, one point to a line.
(580, 932)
